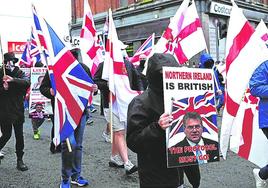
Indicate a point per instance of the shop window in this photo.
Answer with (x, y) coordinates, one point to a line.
(129, 49)
(123, 3)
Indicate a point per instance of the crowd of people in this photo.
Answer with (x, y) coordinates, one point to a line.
(143, 133)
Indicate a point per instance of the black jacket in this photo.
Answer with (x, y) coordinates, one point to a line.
(45, 89)
(102, 86)
(144, 135)
(134, 77)
(11, 100)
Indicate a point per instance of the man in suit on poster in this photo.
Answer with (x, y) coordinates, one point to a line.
(193, 149)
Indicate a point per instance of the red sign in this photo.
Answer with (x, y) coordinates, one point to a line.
(16, 47)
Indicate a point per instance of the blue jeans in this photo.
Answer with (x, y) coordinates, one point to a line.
(91, 107)
(220, 99)
(71, 161)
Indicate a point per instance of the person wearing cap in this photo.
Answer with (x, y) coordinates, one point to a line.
(13, 87)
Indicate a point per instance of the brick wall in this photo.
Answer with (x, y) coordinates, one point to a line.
(97, 6)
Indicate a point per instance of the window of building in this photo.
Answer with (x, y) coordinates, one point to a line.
(129, 49)
(123, 3)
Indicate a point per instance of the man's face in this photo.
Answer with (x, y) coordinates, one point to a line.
(193, 130)
(39, 108)
(10, 65)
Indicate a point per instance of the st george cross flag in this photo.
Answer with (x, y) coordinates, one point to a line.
(188, 38)
(114, 71)
(245, 51)
(247, 140)
(144, 50)
(71, 84)
(196, 95)
(90, 48)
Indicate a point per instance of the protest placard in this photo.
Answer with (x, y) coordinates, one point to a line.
(36, 98)
(189, 97)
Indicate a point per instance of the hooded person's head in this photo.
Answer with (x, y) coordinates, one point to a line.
(10, 60)
(75, 52)
(154, 72)
(206, 61)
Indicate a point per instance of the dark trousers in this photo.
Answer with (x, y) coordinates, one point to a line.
(36, 123)
(264, 171)
(6, 130)
(193, 175)
(53, 148)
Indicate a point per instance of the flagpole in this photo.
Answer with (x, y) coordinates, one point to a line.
(111, 94)
(215, 80)
(2, 55)
(111, 115)
(68, 145)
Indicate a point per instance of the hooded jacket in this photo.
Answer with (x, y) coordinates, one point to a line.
(258, 85)
(144, 135)
(11, 100)
(207, 62)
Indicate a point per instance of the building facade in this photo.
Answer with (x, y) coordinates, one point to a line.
(136, 20)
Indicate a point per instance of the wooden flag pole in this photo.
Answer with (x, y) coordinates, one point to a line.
(2, 55)
(111, 94)
(68, 145)
(111, 115)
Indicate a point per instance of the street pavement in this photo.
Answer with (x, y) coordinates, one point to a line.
(45, 168)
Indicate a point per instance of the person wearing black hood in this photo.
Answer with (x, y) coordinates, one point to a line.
(147, 122)
(13, 87)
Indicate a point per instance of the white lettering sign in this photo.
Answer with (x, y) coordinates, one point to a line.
(221, 9)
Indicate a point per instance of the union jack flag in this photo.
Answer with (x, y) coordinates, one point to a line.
(26, 60)
(31, 54)
(202, 104)
(71, 84)
(145, 50)
(37, 32)
(34, 50)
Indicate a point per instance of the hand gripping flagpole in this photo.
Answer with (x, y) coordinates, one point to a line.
(2, 55)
